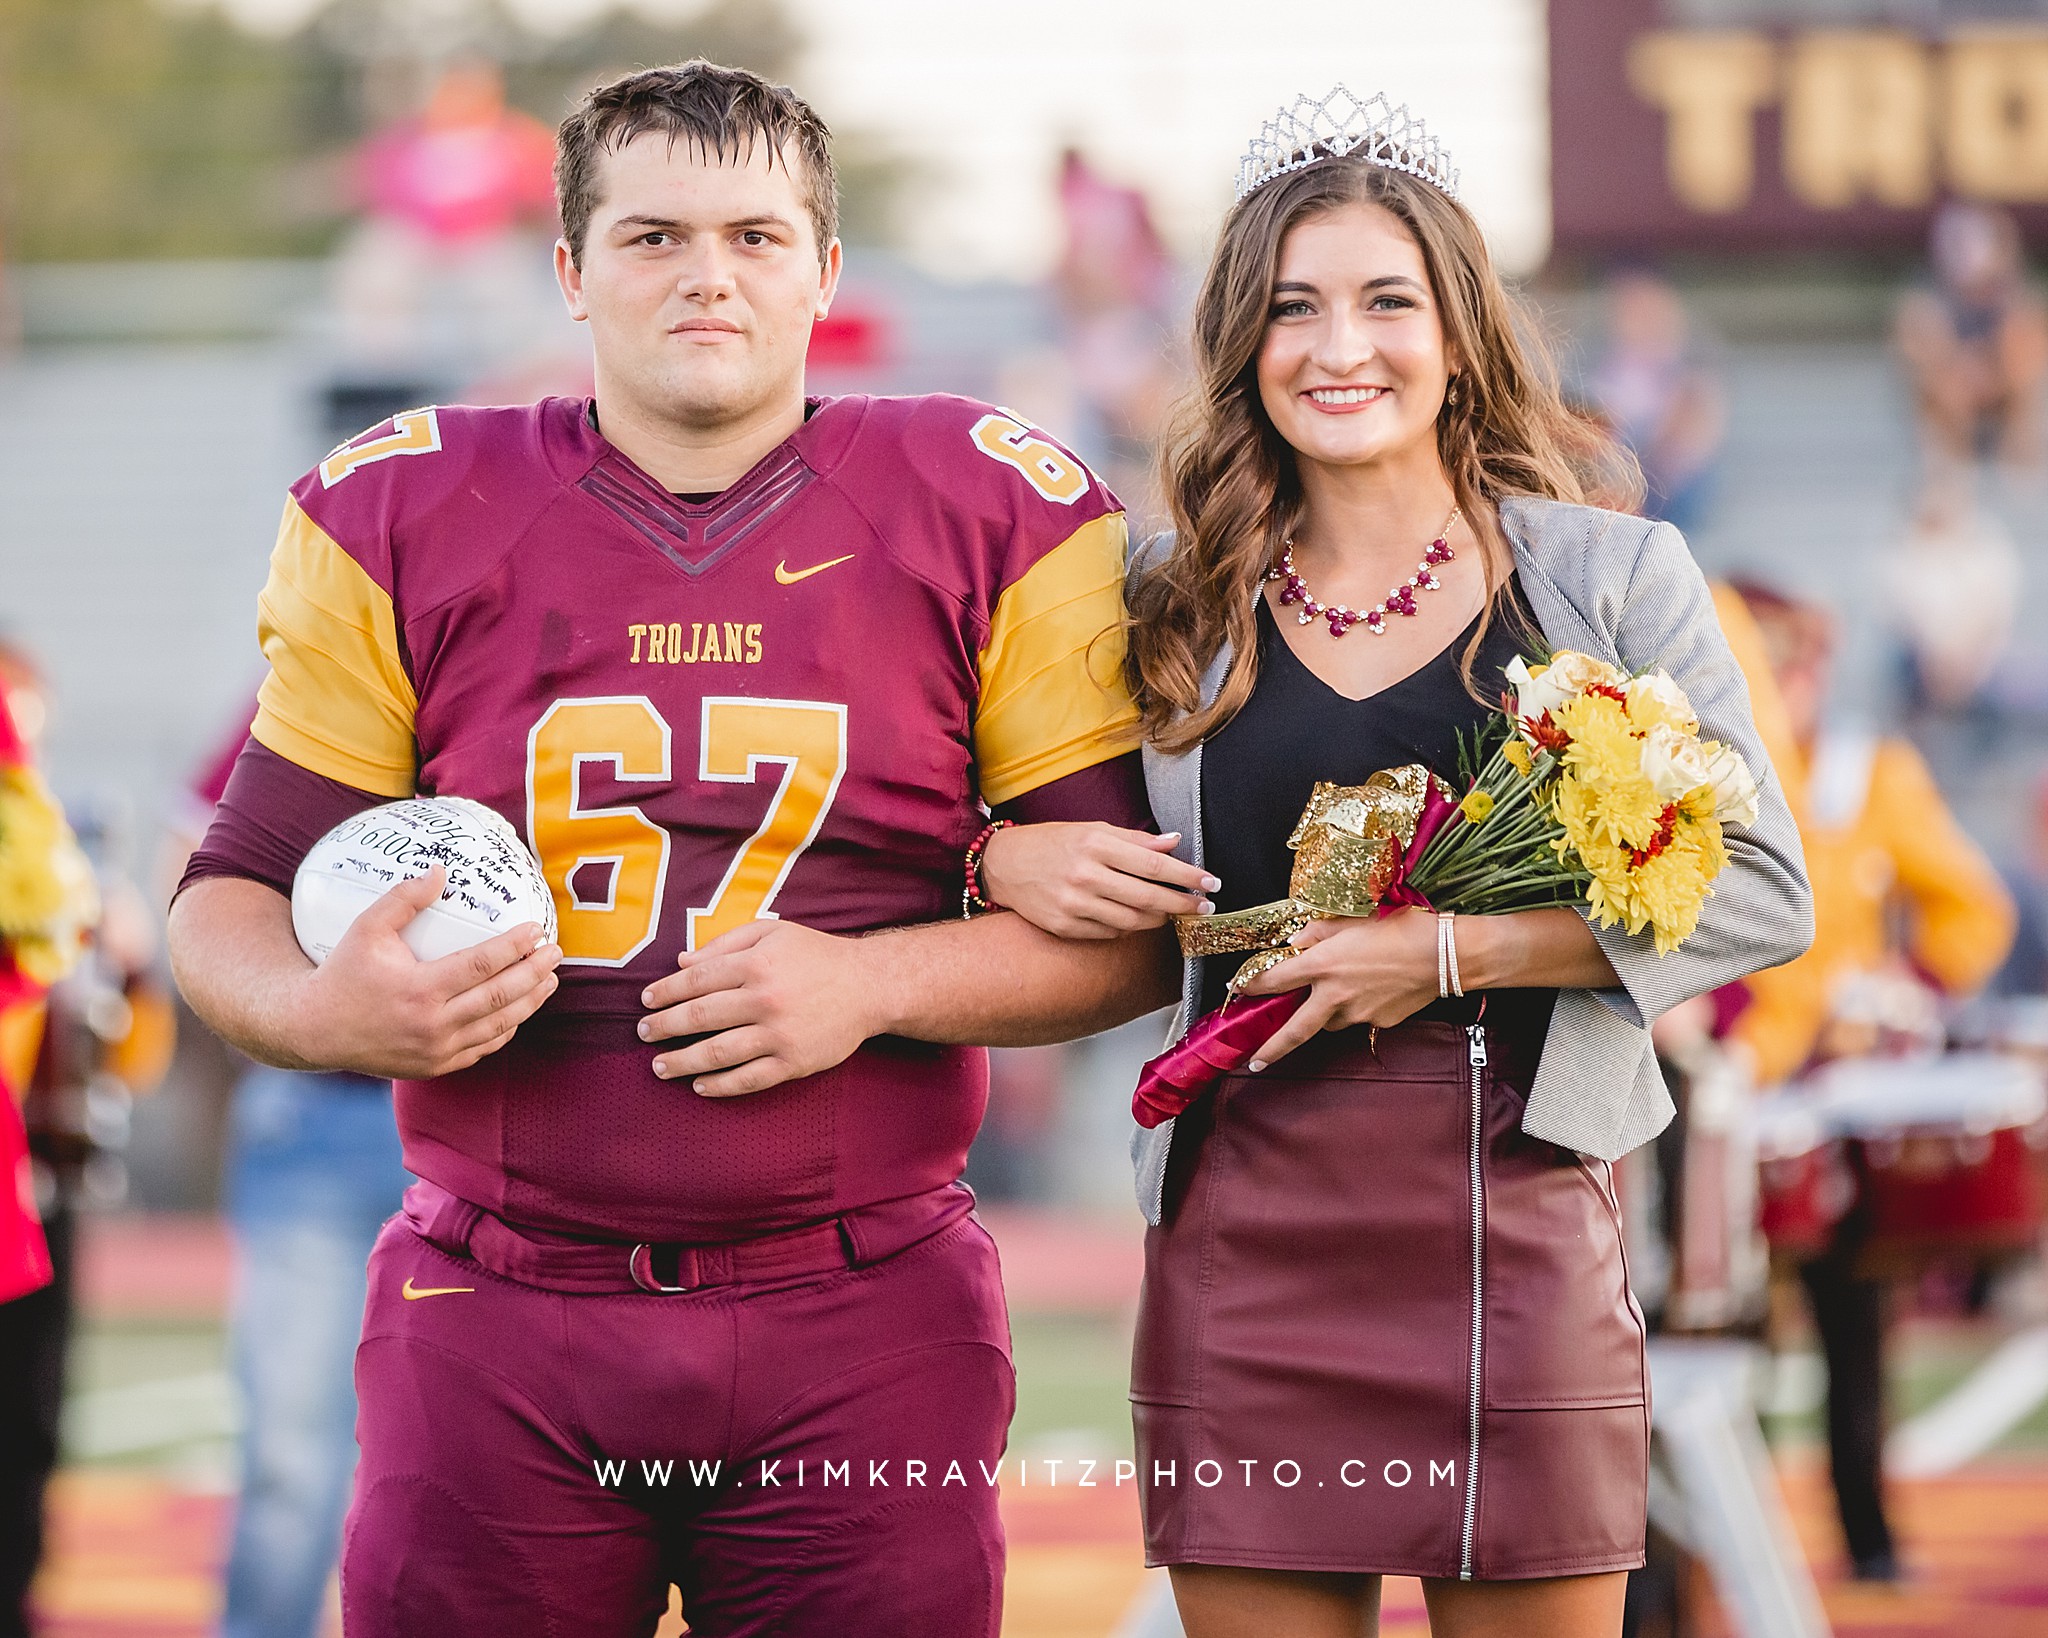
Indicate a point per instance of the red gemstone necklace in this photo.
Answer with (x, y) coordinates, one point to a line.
(1401, 600)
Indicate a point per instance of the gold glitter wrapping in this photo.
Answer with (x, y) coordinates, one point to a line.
(1259, 928)
(1351, 838)
(1346, 848)
(1258, 964)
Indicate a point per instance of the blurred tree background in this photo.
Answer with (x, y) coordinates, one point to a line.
(134, 130)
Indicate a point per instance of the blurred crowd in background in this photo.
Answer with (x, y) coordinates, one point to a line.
(366, 195)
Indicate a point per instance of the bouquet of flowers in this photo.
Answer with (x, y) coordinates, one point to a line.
(1590, 786)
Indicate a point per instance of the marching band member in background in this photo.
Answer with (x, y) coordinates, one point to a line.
(84, 1024)
(33, 1305)
(1883, 853)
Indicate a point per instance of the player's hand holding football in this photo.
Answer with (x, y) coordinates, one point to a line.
(1091, 880)
(775, 1002)
(375, 1007)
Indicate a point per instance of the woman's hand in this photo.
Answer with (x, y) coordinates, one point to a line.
(1091, 880)
(1358, 970)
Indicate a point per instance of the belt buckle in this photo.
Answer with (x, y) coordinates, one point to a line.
(640, 1264)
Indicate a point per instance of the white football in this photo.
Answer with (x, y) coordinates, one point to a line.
(494, 883)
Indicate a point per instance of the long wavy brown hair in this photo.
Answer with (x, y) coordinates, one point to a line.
(1230, 480)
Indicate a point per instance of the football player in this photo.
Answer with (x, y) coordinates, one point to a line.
(688, 1290)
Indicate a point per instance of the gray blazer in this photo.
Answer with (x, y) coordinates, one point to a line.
(1628, 592)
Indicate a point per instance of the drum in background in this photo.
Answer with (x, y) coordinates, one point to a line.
(1945, 1153)
(1805, 1185)
(1938, 1157)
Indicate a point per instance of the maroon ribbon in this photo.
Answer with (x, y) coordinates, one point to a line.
(1224, 1041)
(1438, 811)
(1221, 1042)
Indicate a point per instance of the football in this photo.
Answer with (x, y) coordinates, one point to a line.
(494, 883)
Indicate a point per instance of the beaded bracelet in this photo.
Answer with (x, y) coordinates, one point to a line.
(1448, 981)
(972, 899)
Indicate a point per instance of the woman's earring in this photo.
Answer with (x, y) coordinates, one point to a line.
(1451, 394)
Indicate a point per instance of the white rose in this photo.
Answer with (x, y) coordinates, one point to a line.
(1574, 673)
(1674, 763)
(1655, 697)
(1535, 693)
(1735, 800)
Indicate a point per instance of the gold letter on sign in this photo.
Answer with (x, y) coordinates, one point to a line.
(1859, 119)
(1997, 107)
(1709, 87)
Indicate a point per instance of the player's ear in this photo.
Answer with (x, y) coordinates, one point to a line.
(828, 279)
(570, 277)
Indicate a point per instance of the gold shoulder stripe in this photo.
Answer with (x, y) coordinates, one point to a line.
(1053, 697)
(337, 700)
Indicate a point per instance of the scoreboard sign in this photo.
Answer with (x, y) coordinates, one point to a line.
(1782, 124)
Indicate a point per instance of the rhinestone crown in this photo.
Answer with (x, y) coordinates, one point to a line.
(1329, 127)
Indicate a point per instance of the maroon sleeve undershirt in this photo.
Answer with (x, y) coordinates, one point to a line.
(268, 818)
(1112, 791)
(212, 782)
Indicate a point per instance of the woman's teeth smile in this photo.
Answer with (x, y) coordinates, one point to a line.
(1347, 395)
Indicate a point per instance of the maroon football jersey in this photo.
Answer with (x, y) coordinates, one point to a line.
(790, 700)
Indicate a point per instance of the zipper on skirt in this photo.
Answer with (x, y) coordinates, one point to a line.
(1475, 1036)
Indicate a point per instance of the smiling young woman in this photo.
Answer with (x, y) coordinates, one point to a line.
(1386, 1325)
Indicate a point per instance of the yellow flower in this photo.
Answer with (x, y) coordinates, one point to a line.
(1668, 890)
(1477, 807)
(1607, 894)
(1604, 790)
(1518, 757)
(1624, 811)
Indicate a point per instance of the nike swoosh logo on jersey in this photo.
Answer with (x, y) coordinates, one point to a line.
(412, 1293)
(789, 577)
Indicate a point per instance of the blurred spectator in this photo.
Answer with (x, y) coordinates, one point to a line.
(1904, 904)
(1115, 290)
(34, 1313)
(24, 1248)
(2026, 967)
(1953, 587)
(313, 1171)
(440, 262)
(1661, 394)
(1975, 343)
(100, 1033)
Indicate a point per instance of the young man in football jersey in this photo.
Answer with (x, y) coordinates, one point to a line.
(742, 668)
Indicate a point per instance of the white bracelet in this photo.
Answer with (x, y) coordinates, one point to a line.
(1448, 982)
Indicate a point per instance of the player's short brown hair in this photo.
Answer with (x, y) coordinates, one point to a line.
(718, 111)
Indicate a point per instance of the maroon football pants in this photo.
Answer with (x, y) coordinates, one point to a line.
(541, 1463)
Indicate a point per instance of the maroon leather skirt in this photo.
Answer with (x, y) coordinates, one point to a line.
(1384, 1330)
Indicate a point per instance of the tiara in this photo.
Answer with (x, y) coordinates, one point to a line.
(1309, 129)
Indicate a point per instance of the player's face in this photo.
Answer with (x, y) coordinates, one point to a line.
(1354, 366)
(700, 281)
